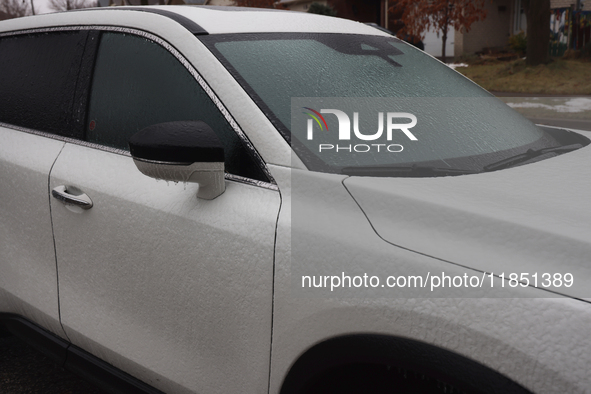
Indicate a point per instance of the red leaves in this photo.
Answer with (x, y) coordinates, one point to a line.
(419, 15)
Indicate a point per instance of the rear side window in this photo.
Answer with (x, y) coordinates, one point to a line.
(38, 76)
(138, 83)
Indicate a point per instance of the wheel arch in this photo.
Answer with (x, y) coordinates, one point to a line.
(445, 366)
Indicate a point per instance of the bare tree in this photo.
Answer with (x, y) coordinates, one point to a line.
(14, 9)
(65, 5)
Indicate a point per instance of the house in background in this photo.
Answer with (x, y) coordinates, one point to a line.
(506, 18)
(367, 11)
(583, 5)
(432, 42)
(356, 10)
(503, 18)
(570, 25)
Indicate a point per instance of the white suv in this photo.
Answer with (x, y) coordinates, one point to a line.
(269, 242)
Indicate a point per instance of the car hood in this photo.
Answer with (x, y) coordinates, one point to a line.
(531, 219)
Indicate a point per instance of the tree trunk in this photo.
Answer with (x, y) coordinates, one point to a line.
(444, 35)
(538, 31)
(443, 40)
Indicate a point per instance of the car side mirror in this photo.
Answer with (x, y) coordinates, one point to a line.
(183, 151)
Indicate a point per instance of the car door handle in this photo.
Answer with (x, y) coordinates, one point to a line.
(71, 197)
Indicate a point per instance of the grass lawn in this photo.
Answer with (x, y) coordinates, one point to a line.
(561, 76)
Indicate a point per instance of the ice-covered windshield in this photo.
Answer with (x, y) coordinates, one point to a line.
(352, 102)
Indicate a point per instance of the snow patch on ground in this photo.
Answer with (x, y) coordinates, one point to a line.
(580, 104)
(456, 65)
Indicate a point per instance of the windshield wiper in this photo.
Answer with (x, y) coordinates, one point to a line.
(405, 171)
(528, 155)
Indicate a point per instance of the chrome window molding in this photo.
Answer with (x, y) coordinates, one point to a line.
(250, 181)
(171, 49)
(66, 139)
(227, 176)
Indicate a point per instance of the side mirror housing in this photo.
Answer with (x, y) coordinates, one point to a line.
(183, 151)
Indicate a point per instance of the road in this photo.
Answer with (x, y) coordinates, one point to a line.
(573, 112)
(578, 124)
(23, 370)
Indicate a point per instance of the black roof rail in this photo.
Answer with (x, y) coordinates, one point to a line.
(187, 23)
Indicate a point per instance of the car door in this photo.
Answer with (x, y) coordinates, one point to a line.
(173, 289)
(38, 75)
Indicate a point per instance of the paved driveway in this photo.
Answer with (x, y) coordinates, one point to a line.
(23, 370)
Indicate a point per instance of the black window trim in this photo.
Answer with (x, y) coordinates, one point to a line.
(185, 22)
(271, 184)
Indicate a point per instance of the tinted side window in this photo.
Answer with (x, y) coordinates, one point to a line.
(138, 83)
(38, 74)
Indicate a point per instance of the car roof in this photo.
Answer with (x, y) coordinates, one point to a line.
(213, 19)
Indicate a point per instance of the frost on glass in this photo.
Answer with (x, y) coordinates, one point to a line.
(279, 69)
(287, 74)
(445, 130)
